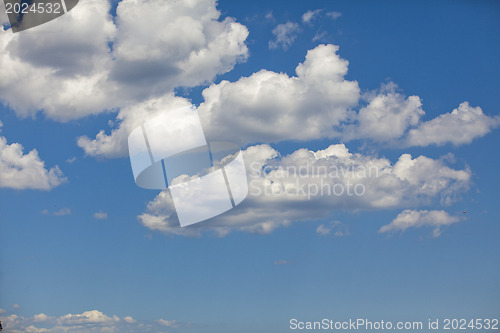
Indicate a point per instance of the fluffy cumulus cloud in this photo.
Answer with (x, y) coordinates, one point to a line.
(115, 143)
(88, 317)
(436, 219)
(458, 127)
(284, 35)
(84, 63)
(265, 107)
(320, 103)
(317, 103)
(25, 171)
(270, 107)
(387, 116)
(88, 321)
(60, 67)
(87, 62)
(309, 185)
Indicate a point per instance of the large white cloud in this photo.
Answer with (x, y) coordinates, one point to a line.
(270, 107)
(25, 171)
(317, 103)
(83, 63)
(115, 143)
(310, 185)
(264, 107)
(458, 127)
(386, 117)
(60, 67)
(161, 45)
(87, 317)
(436, 219)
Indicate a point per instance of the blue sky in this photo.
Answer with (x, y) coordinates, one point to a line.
(304, 259)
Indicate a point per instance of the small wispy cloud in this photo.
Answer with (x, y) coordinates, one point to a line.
(100, 215)
(310, 15)
(283, 262)
(320, 35)
(61, 212)
(334, 15)
(16, 306)
(285, 34)
(71, 160)
(337, 228)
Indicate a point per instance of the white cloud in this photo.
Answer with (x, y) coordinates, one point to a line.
(100, 215)
(115, 144)
(461, 126)
(167, 323)
(309, 185)
(317, 103)
(265, 107)
(41, 317)
(25, 171)
(310, 15)
(420, 218)
(129, 319)
(62, 64)
(16, 306)
(387, 116)
(34, 329)
(86, 317)
(334, 15)
(70, 71)
(271, 107)
(88, 321)
(166, 44)
(319, 36)
(338, 228)
(284, 35)
(62, 212)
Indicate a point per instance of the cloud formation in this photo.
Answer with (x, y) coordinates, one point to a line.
(317, 103)
(100, 215)
(88, 321)
(436, 219)
(25, 171)
(84, 63)
(336, 228)
(284, 35)
(310, 15)
(311, 185)
(461, 126)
